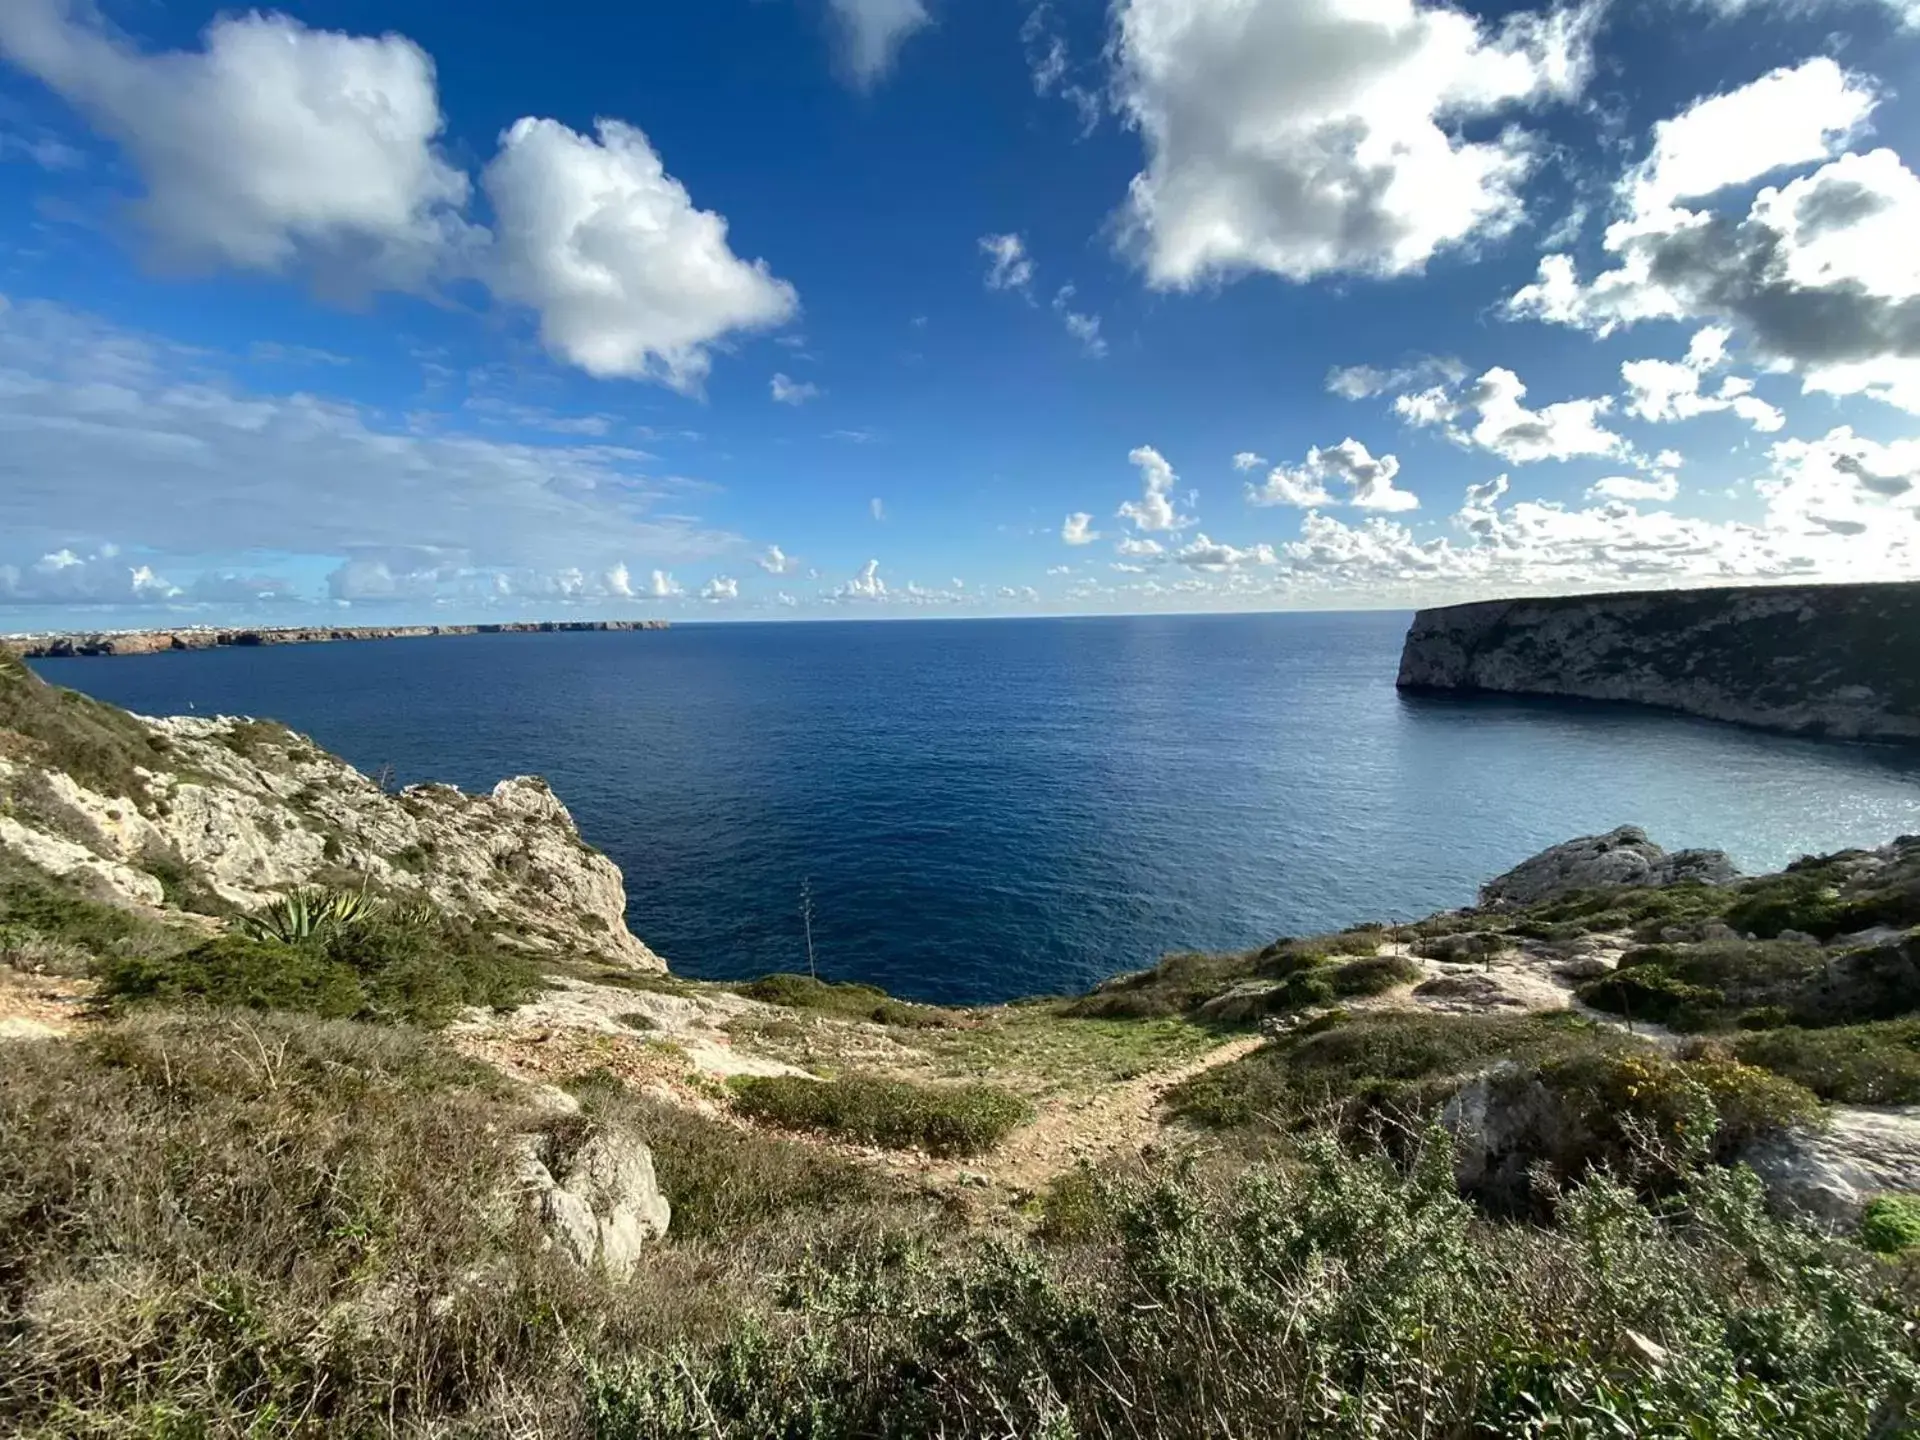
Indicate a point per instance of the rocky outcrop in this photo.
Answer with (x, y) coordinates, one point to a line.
(1604, 862)
(599, 1200)
(249, 810)
(1835, 660)
(151, 642)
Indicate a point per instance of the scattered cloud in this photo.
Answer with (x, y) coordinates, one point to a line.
(1078, 529)
(280, 149)
(664, 586)
(101, 423)
(776, 561)
(793, 392)
(1346, 473)
(1818, 276)
(1663, 390)
(867, 585)
(871, 34)
(1084, 328)
(1363, 382)
(1306, 137)
(1155, 509)
(1205, 554)
(877, 508)
(1009, 267)
(1661, 489)
(1053, 71)
(719, 589)
(1503, 424)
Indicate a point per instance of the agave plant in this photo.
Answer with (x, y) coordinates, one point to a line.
(309, 914)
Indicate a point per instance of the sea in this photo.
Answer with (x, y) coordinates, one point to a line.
(986, 809)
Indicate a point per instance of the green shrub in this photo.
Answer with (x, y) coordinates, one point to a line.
(1891, 1224)
(1649, 992)
(1338, 1297)
(946, 1120)
(1373, 976)
(1178, 985)
(1876, 1064)
(99, 745)
(410, 966)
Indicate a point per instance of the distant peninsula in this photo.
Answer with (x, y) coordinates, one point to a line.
(1832, 660)
(152, 642)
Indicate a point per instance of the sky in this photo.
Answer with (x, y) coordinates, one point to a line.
(371, 311)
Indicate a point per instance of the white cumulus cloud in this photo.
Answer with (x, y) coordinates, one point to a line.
(787, 391)
(872, 32)
(1349, 468)
(1155, 509)
(1310, 136)
(1009, 267)
(1078, 529)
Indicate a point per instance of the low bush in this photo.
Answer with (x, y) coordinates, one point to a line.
(945, 1120)
(413, 965)
(1374, 975)
(1178, 985)
(1648, 992)
(1891, 1224)
(1339, 1297)
(1876, 1064)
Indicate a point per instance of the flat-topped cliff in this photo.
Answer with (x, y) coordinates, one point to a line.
(149, 642)
(1835, 660)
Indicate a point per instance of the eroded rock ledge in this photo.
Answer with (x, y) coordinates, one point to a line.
(1833, 660)
(150, 642)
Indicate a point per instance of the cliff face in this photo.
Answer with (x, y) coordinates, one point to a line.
(1835, 660)
(137, 809)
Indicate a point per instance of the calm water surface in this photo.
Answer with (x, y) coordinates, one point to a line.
(996, 808)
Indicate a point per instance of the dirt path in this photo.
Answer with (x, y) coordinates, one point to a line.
(1091, 1127)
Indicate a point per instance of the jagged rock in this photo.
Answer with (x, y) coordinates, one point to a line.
(601, 1202)
(1598, 862)
(1462, 947)
(251, 811)
(1830, 1174)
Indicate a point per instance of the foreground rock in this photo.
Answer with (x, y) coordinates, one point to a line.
(1602, 862)
(599, 1201)
(1839, 660)
(1831, 1174)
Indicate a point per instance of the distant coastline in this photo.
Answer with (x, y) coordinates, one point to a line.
(154, 642)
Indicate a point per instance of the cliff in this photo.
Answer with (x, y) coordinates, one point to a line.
(150, 642)
(237, 812)
(1834, 660)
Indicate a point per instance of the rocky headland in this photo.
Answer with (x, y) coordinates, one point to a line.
(329, 1109)
(153, 642)
(1831, 660)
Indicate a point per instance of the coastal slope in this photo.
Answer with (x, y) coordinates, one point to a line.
(1833, 660)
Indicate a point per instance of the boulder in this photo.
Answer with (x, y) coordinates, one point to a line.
(1830, 1174)
(599, 1201)
(1504, 1122)
(1623, 857)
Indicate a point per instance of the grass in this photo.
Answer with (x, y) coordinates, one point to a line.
(942, 1120)
(99, 745)
(723, 1179)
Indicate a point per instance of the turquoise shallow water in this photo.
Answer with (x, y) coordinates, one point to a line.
(996, 808)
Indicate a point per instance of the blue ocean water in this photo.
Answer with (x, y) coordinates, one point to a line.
(987, 809)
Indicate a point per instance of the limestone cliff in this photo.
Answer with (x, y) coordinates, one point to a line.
(1835, 660)
(145, 811)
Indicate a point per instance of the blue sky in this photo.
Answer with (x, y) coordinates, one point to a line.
(758, 308)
